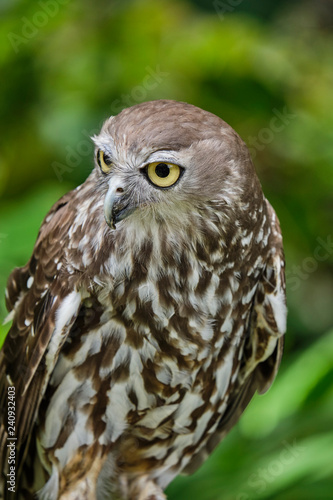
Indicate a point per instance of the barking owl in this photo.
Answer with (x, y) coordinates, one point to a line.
(150, 312)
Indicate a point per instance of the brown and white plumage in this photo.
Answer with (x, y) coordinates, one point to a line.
(136, 344)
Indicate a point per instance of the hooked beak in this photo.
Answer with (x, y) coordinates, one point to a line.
(116, 206)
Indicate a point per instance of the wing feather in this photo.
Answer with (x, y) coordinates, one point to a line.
(44, 310)
(263, 346)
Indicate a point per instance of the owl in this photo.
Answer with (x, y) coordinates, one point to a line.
(150, 312)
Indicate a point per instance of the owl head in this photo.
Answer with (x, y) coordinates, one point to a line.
(165, 161)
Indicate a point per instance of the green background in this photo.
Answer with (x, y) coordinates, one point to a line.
(267, 69)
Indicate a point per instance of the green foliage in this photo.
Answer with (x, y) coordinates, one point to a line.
(272, 81)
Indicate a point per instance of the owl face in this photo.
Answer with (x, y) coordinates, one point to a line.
(164, 159)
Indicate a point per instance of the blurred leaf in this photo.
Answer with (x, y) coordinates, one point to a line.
(305, 373)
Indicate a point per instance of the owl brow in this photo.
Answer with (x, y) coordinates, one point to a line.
(107, 150)
(162, 155)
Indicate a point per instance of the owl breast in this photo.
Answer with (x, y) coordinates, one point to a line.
(148, 366)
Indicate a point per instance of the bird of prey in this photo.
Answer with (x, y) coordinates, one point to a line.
(150, 312)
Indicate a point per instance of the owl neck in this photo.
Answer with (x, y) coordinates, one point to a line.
(156, 248)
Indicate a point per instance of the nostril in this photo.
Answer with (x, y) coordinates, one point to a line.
(119, 190)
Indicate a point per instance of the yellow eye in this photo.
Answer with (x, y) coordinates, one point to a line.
(104, 161)
(163, 174)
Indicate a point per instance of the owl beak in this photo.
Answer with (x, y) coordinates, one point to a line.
(116, 206)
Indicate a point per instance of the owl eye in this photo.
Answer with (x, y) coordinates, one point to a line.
(163, 174)
(104, 161)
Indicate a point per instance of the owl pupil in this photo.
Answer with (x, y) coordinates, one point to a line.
(162, 170)
(107, 159)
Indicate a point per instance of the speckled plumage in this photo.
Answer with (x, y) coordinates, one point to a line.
(134, 351)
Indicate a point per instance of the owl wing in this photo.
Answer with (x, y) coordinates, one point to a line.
(263, 343)
(43, 307)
